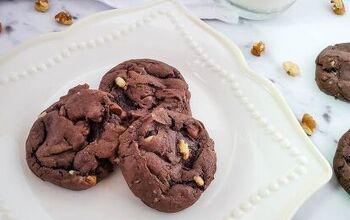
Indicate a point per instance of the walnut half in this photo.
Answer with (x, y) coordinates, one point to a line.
(338, 7)
(291, 68)
(64, 18)
(41, 5)
(308, 124)
(258, 48)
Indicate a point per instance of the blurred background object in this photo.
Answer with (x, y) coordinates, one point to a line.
(204, 9)
(259, 9)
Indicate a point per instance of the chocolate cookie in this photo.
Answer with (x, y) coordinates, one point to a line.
(333, 71)
(141, 85)
(341, 161)
(72, 143)
(167, 159)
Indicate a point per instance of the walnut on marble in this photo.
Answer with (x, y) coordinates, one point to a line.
(41, 5)
(64, 18)
(308, 124)
(258, 48)
(338, 7)
(291, 68)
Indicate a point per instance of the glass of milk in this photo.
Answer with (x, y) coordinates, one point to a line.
(260, 9)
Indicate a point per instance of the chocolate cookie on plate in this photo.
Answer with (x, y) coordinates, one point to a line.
(341, 161)
(167, 159)
(333, 71)
(142, 85)
(72, 143)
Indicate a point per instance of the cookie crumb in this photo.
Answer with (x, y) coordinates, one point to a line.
(41, 5)
(258, 48)
(199, 180)
(338, 7)
(291, 68)
(308, 124)
(64, 18)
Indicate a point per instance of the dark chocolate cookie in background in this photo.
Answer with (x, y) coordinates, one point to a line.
(333, 71)
(72, 143)
(341, 161)
(142, 85)
(167, 159)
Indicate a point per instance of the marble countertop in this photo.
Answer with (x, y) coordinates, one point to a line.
(297, 35)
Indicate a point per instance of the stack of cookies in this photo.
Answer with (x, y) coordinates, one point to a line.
(139, 120)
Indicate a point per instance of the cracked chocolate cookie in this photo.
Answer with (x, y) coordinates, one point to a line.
(341, 161)
(333, 71)
(72, 143)
(167, 159)
(141, 85)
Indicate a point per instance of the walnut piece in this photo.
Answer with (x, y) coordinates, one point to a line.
(291, 68)
(41, 5)
(91, 180)
(308, 124)
(258, 48)
(199, 180)
(149, 138)
(193, 131)
(121, 83)
(64, 18)
(184, 150)
(338, 7)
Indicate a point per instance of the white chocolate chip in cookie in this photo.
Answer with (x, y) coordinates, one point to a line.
(184, 150)
(120, 82)
(149, 138)
(199, 180)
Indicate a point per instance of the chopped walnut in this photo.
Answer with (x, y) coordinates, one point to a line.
(291, 68)
(258, 48)
(193, 131)
(308, 124)
(91, 180)
(338, 7)
(199, 180)
(41, 5)
(121, 83)
(184, 150)
(64, 17)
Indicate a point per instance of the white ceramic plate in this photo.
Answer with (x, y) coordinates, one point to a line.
(267, 166)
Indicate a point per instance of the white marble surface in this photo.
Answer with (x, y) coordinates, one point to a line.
(297, 35)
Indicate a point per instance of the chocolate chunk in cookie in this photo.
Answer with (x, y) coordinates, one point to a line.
(72, 143)
(333, 71)
(141, 85)
(341, 161)
(167, 159)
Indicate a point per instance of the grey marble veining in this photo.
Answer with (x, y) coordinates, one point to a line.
(298, 35)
